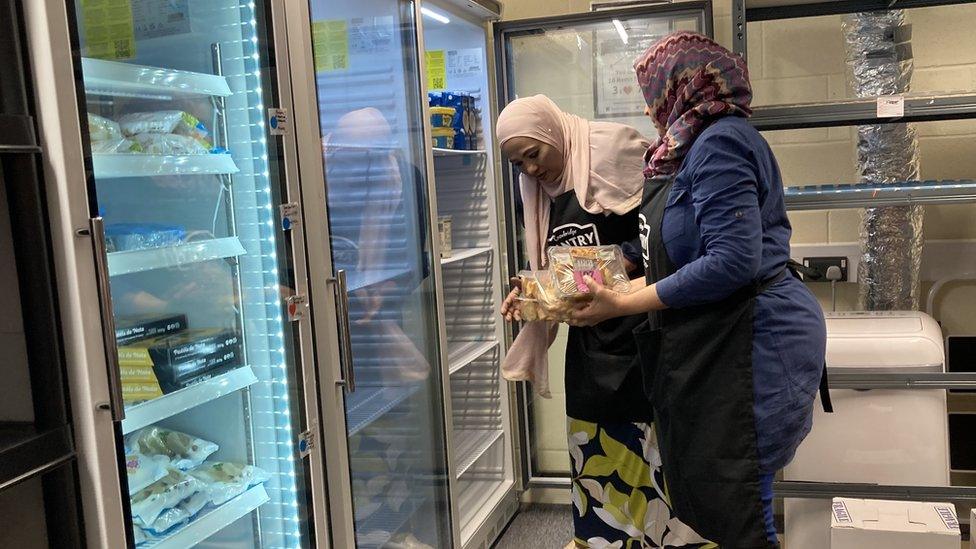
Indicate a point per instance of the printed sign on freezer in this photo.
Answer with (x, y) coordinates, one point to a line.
(157, 18)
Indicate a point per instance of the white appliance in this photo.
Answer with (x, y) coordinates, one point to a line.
(897, 437)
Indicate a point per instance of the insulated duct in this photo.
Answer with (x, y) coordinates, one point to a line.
(879, 60)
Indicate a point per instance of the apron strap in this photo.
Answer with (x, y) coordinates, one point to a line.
(828, 406)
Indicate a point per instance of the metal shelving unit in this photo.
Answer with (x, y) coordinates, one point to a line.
(853, 112)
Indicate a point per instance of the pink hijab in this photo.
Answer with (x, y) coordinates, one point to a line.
(602, 163)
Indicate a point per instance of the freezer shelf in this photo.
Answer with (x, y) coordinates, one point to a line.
(129, 80)
(137, 261)
(470, 445)
(180, 401)
(211, 522)
(453, 152)
(111, 166)
(462, 254)
(465, 352)
(25, 450)
(367, 404)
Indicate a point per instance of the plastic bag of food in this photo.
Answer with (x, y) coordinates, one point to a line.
(184, 451)
(139, 535)
(165, 493)
(226, 481)
(103, 129)
(175, 516)
(538, 300)
(170, 144)
(116, 146)
(178, 122)
(143, 470)
(141, 236)
(604, 264)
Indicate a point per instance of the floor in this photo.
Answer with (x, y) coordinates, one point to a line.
(539, 526)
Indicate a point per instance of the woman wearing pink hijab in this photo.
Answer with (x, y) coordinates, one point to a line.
(581, 185)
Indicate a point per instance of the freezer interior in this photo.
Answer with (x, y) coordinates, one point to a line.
(457, 64)
(188, 185)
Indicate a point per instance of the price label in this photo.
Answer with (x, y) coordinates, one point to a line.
(330, 45)
(436, 70)
(891, 106)
(109, 30)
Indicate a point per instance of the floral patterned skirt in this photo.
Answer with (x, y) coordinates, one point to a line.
(619, 496)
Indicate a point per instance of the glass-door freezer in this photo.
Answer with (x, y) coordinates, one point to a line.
(371, 167)
(185, 185)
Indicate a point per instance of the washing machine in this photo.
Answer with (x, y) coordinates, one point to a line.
(876, 436)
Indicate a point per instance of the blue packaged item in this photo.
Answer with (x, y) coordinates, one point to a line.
(435, 99)
(461, 141)
(122, 237)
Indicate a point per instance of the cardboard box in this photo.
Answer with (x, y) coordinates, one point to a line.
(876, 524)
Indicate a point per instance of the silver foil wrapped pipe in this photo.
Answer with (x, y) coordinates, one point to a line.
(879, 62)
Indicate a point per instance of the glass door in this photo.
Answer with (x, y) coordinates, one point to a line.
(185, 184)
(371, 123)
(584, 63)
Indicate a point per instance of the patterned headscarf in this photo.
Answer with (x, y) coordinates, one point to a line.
(688, 80)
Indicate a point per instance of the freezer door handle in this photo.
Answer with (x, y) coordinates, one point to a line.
(348, 380)
(116, 404)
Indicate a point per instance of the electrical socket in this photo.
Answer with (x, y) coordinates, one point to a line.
(821, 264)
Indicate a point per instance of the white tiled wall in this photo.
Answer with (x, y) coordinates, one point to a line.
(802, 60)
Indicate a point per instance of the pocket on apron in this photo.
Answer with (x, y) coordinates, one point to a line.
(648, 345)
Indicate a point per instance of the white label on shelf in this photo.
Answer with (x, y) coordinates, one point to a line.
(306, 442)
(278, 121)
(291, 215)
(891, 106)
(297, 304)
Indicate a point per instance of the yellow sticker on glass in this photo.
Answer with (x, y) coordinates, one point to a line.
(330, 45)
(109, 32)
(436, 70)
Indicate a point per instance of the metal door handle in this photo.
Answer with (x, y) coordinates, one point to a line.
(345, 333)
(116, 404)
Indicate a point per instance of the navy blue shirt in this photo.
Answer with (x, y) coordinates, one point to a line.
(725, 226)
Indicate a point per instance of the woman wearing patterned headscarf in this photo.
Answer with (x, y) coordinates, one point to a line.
(733, 351)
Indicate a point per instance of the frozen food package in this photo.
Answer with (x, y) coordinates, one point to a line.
(538, 300)
(140, 236)
(139, 536)
(115, 146)
(178, 122)
(165, 493)
(225, 480)
(195, 503)
(569, 264)
(143, 470)
(103, 129)
(184, 451)
(166, 521)
(170, 144)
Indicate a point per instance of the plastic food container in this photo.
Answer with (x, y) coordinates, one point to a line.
(570, 264)
(442, 117)
(539, 300)
(443, 138)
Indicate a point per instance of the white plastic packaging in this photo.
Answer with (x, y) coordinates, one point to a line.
(604, 264)
(143, 470)
(169, 144)
(175, 516)
(184, 451)
(225, 481)
(116, 146)
(178, 122)
(167, 492)
(103, 129)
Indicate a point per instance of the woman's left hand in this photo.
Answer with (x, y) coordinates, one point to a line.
(606, 304)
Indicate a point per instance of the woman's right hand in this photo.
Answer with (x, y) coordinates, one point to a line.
(511, 307)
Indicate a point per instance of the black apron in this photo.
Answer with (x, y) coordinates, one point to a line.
(603, 378)
(697, 366)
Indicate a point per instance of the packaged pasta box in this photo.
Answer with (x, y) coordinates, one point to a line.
(569, 265)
